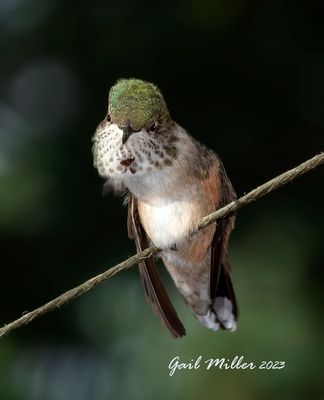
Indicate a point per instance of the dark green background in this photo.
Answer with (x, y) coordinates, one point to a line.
(244, 77)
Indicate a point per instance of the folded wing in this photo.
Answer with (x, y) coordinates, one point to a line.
(153, 287)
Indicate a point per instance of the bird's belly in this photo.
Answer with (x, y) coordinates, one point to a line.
(169, 222)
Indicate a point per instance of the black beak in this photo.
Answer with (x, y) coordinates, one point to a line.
(127, 131)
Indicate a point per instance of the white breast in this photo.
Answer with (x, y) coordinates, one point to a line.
(169, 221)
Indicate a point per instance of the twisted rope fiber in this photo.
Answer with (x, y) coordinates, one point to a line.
(77, 291)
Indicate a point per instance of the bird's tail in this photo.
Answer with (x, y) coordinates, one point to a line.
(216, 309)
(222, 311)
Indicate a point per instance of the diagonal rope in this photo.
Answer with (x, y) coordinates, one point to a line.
(77, 291)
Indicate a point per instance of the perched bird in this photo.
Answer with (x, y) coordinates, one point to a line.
(171, 181)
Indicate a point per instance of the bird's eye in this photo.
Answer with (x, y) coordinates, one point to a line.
(153, 127)
(108, 118)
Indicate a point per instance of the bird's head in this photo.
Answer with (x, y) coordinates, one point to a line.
(136, 105)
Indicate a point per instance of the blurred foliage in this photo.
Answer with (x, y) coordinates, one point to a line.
(244, 77)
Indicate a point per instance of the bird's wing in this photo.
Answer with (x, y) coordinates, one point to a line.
(153, 287)
(222, 294)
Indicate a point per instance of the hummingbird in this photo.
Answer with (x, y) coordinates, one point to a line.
(170, 181)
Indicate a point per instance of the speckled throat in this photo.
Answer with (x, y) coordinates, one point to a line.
(143, 154)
